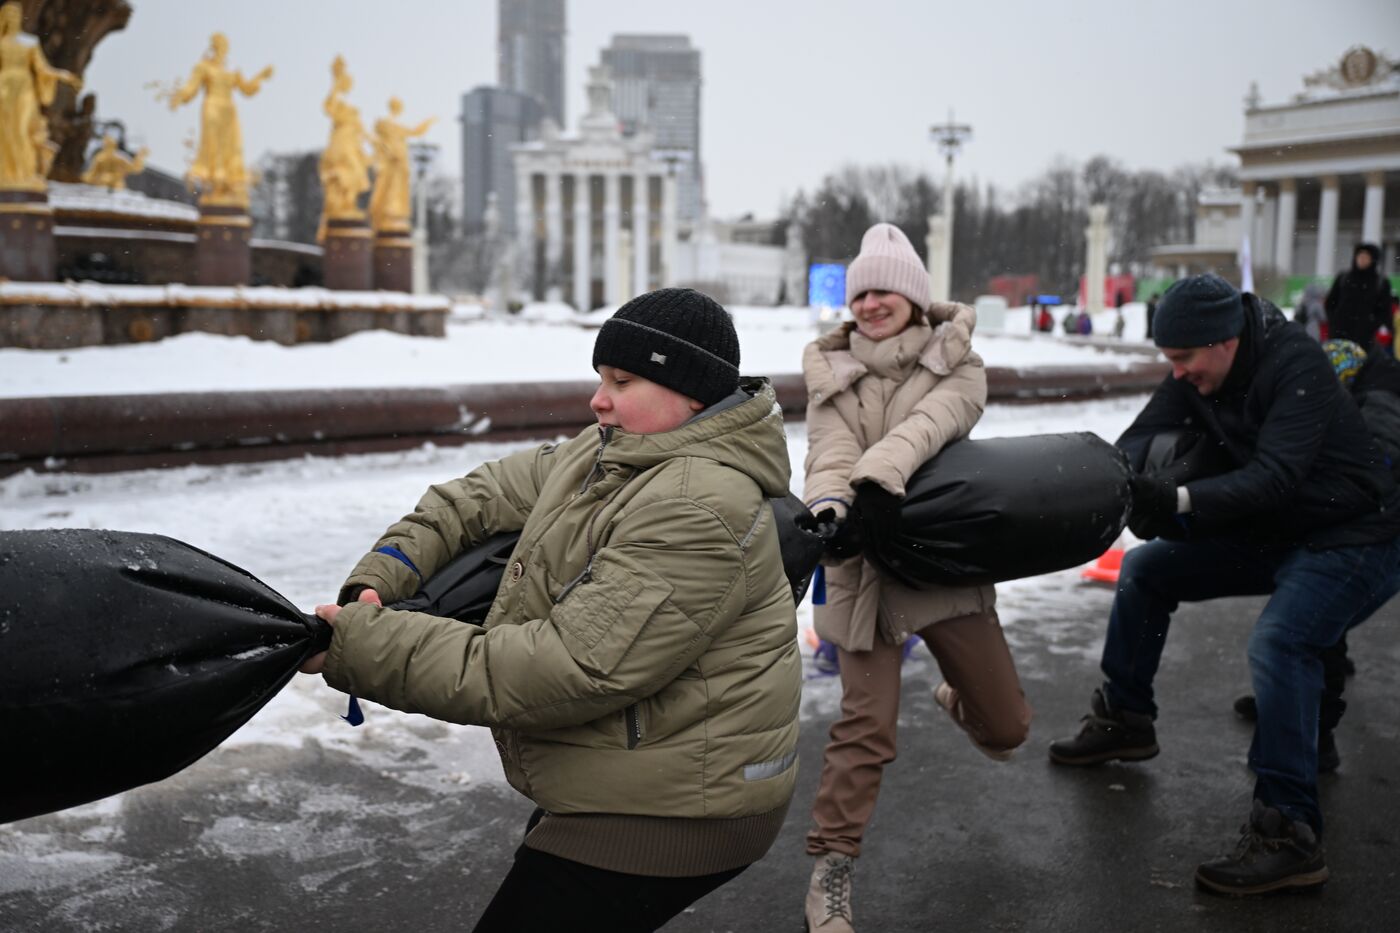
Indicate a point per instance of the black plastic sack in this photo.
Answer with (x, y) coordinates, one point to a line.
(126, 657)
(985, 511)
(465, 587)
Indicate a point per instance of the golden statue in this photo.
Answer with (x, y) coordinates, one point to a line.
(218, 168)
(110, 166)
(27, 84)
(344, 162)
(389, 205)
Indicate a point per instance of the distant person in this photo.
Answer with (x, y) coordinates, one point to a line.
(1035, 314)
(1358, 304)
(1070, 322)
(1306, 512)
(1151, 312)
(1312, 312)
(1045, 323)
(886, 392)
(1083, 324)
(1119, 324)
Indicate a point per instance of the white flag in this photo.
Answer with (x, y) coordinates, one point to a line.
(1246, 267)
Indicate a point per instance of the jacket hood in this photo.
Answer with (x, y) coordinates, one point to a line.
(748, 437)
(1375, 252)
(833, 368)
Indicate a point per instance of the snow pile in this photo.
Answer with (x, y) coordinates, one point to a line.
(544, 343)
(207, 296)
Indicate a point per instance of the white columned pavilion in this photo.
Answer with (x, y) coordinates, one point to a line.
(596, 153)
(1331, 149)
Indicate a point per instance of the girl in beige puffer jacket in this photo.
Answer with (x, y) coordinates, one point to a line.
(885, 394)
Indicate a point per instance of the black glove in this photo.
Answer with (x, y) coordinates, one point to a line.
(877, 510)
(842, 537)
(1153, 514)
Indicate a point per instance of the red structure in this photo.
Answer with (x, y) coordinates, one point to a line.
(1016, 289)
(1114, 288)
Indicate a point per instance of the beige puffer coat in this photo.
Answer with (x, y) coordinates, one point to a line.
(876, 411)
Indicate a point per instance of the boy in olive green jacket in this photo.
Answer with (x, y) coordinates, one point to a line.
(639, 667)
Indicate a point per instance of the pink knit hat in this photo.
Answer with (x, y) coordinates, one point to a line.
(887, 262)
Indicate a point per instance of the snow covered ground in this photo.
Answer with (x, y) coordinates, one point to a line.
(545, 343)
(300, 525)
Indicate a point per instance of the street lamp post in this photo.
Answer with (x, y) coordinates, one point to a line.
(422, 154)
(950, 137)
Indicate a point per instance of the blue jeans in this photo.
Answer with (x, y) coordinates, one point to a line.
(1317, 597)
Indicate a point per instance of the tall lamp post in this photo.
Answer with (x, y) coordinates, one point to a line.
(950, 137)
(422, 154)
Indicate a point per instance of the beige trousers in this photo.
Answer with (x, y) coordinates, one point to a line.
(974, 659)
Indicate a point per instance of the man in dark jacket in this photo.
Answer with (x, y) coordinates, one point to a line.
(1359, 302)
(1303, 508)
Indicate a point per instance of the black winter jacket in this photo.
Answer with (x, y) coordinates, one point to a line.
(1305, 469)
(1359, 302)
(1377, 392)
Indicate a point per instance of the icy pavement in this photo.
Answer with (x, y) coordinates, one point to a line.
(406, 822)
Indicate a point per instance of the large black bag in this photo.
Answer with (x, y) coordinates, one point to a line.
(465, 587)
(126, 657)
(985, 511)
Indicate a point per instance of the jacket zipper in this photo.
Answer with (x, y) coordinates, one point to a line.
(605, 435)
(634, 726)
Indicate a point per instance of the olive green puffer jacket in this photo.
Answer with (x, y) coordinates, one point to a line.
(641, 654)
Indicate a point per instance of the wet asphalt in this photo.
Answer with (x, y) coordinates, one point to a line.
(958, 842)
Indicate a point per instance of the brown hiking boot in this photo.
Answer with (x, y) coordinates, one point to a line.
(828, 908)
(1274, 853)
(1107, 735)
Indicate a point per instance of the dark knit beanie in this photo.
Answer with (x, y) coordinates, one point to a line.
(1198, 311)
(676, 337)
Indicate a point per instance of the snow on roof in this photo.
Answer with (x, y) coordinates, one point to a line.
(98, 200)
(87, 294)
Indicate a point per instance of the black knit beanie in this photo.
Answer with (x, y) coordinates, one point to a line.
(1198, 311)
(676, 337)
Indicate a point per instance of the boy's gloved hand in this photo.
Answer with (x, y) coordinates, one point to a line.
(878, 510)
(843, 536)
(1154, 505)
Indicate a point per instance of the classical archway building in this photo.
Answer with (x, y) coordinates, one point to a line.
(1322, 172)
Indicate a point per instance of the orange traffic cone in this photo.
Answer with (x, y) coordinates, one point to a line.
(1105, 569)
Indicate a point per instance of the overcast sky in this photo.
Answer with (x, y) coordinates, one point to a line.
(792, 88)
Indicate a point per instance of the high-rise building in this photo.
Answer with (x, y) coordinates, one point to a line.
(530, 51)
(493, 120)
(656, 89)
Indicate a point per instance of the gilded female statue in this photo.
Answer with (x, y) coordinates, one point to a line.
(389, 205)
(218, 168)
(344, 163)
(27, 84)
